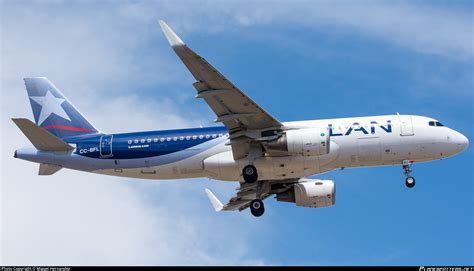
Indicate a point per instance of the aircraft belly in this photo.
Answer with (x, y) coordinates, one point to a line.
(176, 170)
(189, 167)
(222, 166)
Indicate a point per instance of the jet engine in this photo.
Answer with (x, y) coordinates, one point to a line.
(306, 141)
(311, 193)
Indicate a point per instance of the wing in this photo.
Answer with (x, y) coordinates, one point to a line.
(248, 192)
(233, 108)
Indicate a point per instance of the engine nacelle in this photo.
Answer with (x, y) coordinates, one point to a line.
(305, 141)
(311, 193)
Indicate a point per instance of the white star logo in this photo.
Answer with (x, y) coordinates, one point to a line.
(49, 105)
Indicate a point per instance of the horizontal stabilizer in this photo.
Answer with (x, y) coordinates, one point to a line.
(48, 169)
(40, 138)
(216, 203)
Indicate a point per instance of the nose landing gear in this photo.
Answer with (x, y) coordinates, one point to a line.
(409, 181)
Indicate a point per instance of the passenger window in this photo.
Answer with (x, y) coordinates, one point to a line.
(194, 137)
(148, 140)
(431, 123)
(168, 139)
(188, 137)
(142, 141)
(181, 138)
(155, 139)
(162, 139)
(175, 138)
(439, 124)
(201, 136)
(135, 141)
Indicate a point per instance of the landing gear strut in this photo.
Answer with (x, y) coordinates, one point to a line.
(409, 181)
(250, 174)
(256, 206)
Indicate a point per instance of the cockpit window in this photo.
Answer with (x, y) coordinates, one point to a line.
(435, 123)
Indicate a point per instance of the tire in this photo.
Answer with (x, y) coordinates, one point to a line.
(250, 174)
(410, 182)
(257, 208)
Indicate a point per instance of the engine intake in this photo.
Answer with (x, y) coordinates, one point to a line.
(306, 141)
(311, 193)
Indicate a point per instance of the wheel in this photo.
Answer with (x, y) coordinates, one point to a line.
(410, 182)
(257, 208)
(250, 174)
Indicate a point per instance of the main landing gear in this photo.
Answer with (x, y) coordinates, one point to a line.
(250, 174)
(409, 181)
(256, 206)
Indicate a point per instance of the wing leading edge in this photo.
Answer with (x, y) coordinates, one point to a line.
(233, 108)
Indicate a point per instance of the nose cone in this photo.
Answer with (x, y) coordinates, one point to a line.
(460, 141)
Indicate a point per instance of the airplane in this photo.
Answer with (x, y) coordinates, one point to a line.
(266, 156)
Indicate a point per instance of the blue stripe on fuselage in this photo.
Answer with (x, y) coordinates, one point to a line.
(146, 144)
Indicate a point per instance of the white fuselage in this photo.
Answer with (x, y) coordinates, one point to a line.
(411, 139)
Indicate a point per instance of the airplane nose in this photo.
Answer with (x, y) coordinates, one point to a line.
(461, 141)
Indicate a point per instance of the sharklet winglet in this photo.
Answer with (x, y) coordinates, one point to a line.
(172, 38)
(216, 203)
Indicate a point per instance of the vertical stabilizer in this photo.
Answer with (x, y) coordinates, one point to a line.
(53, 111)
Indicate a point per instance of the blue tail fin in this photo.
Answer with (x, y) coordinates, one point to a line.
(53, 111)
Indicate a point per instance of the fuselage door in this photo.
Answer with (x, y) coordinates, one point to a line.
(106, 146)
(406, 125)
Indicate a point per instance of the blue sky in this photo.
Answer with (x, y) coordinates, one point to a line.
(298, 60)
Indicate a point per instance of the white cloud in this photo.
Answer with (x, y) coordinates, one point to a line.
(75, 218)
(414, 26)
